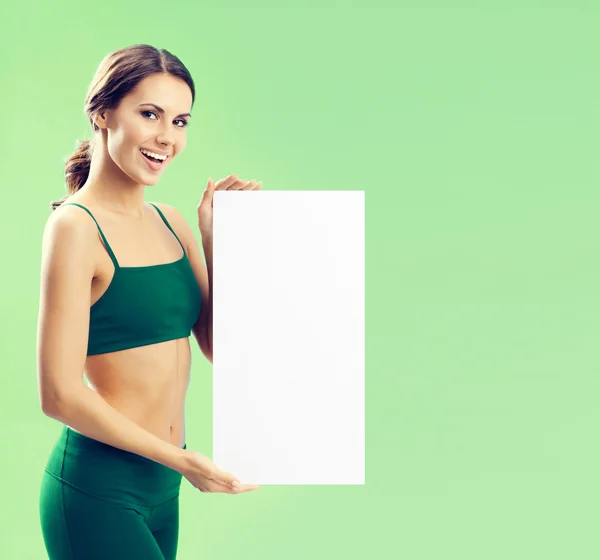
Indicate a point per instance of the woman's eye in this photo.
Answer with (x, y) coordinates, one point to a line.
(185, 123)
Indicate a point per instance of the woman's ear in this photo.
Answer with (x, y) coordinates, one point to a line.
(100, 119)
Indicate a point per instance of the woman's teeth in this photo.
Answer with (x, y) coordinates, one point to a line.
(152, 158)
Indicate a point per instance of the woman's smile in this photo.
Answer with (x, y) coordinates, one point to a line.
(152, 163)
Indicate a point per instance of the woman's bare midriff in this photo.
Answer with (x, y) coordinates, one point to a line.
(148, 384)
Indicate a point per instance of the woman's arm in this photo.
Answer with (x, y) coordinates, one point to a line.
(207, 245)
(68, 247)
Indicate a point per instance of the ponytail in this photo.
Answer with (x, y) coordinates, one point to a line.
(77, 169)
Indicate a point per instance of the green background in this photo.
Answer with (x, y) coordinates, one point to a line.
(472, 127)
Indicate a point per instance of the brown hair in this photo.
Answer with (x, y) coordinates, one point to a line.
(117, 75)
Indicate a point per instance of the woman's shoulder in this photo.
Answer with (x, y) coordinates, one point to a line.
(169, 211)
(176, 220)
(68, 217)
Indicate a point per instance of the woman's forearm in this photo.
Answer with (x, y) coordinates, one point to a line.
(207, 245)
(87, 412)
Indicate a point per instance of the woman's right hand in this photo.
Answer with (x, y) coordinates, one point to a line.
(203, 474)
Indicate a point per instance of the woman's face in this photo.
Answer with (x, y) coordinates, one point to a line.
(135, 125)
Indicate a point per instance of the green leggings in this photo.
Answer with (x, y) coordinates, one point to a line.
(98, 502)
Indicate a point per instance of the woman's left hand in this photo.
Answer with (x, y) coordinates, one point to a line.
(205, 207)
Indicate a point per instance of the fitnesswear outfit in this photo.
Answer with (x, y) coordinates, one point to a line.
(99, 502)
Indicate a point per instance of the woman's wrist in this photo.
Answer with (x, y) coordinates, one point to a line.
(177, 459)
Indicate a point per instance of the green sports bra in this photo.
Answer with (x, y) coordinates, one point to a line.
(144, 304)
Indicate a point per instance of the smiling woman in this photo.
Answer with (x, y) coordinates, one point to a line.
(123, 286)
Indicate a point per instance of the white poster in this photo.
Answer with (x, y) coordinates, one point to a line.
(288, 336)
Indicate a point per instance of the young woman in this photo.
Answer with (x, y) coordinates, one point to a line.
(123, 285)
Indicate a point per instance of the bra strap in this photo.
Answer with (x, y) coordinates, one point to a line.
(169, 226)
(110, 251)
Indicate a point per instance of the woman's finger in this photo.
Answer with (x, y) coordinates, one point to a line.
(225, 183)
(248, 488)
(219, 486)
(216, 486)
(229, 479)
(238, 489)
(208, 191)
(237, 186)
(242, 185)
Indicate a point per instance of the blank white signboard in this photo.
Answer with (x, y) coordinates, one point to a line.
(288, 336)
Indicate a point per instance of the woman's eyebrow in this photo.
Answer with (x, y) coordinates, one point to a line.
(161, 110)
